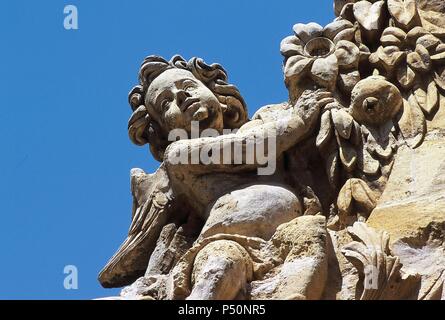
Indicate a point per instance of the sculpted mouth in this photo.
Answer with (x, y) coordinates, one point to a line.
(188, 103)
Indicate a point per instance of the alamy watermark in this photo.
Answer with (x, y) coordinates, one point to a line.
(258, 149)
(71, 280)
(71, 20)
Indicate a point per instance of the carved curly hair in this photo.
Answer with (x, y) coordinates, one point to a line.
(143, 129)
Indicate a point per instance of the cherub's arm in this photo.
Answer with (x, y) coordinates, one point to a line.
(287, 132)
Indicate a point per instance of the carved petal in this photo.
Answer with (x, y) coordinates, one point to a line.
(356, 134)
(370, 253)
(326, 130)
(393, 36)
(429, 41)
(344, 200)
(412, 123)
(427, 96)
(419, 60)
(406, 76)
(348, 54)
(325, 71)
(404, 11)
(334, 28)
(440, 48)
(308, 31)
(297, 66)
(414, 34)
(390, 56)
(291, 46)
(440, 57)
(347, 34)
(433, 22)
(384, 153)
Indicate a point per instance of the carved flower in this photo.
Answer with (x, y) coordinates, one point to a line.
(325, 55)
(375, 101)
(413, 58)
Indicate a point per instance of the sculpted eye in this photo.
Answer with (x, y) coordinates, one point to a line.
(188, 86)
(165, 103)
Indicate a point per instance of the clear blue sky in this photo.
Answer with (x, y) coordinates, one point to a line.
(65, 155)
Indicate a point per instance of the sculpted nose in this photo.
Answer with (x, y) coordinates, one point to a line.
(181, 96)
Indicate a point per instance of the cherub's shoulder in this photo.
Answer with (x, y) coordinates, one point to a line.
(271, 112)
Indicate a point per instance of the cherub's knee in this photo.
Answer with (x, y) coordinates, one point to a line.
(220, 271)
(254, 211)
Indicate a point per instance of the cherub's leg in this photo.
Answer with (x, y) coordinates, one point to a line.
(221, 270)
(252, 211)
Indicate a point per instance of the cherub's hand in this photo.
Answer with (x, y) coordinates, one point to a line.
(311, 103)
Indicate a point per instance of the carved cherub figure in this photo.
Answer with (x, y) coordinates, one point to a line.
(226, 198)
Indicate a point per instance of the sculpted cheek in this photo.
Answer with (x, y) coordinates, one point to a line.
(174, 119)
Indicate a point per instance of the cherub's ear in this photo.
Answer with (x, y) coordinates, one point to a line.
(143, 128)
(234, 112)
(157, 137)
(234, 115)
(137, 126)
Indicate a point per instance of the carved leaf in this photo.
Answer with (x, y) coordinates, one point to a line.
(343, 122)
(332, 168)
(355, 198)
(419, 60)
(326, 130)
(348, 155)
(381, 271)
(358, 191)
(371, 166)
(439, 78)
(393, 36)
(427, 96)
(348, 54)
(356, 134)
(414, 34)
(412, 123)
(406, 76)
(404, 11)
(369, 15)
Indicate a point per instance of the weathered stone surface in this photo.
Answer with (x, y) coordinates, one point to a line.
(353, 206)
(412, 211)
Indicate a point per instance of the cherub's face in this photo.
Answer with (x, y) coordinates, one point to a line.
(178, 98)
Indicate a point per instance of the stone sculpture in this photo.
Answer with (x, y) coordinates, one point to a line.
(346, 199)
